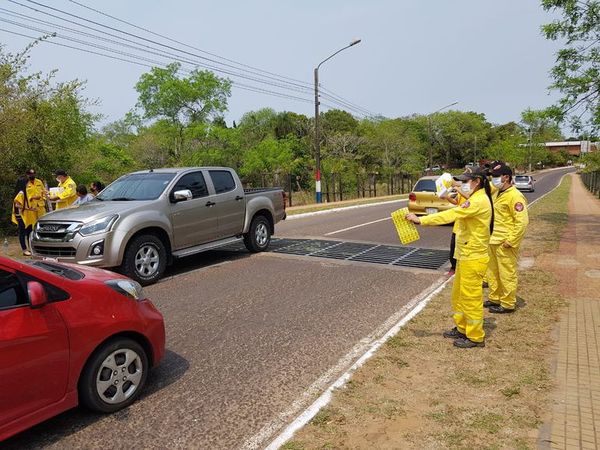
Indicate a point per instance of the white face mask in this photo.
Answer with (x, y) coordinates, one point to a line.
(465, 188)
(497, 181)
(59, 180)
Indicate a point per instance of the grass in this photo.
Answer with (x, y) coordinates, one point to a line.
(419, 392)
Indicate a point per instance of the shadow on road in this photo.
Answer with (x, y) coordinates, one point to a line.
(171, 369)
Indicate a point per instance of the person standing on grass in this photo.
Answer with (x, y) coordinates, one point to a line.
(475, 220)
(35, 192)
(23, 215)
(510, 224)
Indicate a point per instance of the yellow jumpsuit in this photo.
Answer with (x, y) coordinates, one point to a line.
(36, 188)
(67, 194)
(29, 217)
(510, 222)
(472, 219)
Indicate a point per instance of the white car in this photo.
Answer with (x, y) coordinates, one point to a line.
(524, 183)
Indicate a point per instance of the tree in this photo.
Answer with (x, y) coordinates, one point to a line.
(43, 124)
(196, 99)
(577, 71)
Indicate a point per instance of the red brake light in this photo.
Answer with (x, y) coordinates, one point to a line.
(412, 197)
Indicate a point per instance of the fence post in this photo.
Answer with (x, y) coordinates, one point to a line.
(290, 188)
(333, 184)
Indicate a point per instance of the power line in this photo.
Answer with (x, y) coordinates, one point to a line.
(152, 50)
(143, 39)
(186, 45)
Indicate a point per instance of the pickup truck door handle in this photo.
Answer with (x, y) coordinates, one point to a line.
(239, 197)
(210, 204)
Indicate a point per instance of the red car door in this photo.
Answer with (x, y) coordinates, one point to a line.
(34, 351)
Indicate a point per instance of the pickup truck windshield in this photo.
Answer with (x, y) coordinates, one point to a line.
(137, 186)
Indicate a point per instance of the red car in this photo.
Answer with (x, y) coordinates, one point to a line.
(69, 335)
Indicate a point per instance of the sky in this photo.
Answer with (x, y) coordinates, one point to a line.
(416, 56)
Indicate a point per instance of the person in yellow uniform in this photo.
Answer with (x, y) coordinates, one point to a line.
(35, 194)
(455, 199)
(474, 218)
(510, 223)
(23, 216)
(67, 190)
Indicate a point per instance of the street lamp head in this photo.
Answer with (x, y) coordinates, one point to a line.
(355, 41)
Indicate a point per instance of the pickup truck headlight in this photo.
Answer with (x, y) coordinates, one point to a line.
(98, 226)
(128, 288)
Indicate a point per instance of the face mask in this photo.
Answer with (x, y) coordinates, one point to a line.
(58, 180)
(31, 177)
(465, 188)
(497, 181)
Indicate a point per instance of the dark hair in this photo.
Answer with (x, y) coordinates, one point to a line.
(97, 185)
(21, 185)
(81, 189)
(488, 192)
(485, 184)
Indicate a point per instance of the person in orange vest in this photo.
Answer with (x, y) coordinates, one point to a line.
(36, 192)
(510, 224)
(67, 190)
(23, 215)
(474, 218)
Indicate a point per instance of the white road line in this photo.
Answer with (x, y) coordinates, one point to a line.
(357, 226)
(342, 208)
(363, 351)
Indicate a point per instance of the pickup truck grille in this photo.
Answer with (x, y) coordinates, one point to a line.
(54, 252)
(55, 231)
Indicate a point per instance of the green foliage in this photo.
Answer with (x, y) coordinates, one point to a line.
(43, 125)
(577, 71)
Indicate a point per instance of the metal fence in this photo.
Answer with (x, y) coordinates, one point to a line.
(335, 186)
(592, 182)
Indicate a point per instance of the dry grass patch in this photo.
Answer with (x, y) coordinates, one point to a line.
(420, 392)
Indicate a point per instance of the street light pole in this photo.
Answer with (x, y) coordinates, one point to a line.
(430, 132)
(529, 145)
(318, 197)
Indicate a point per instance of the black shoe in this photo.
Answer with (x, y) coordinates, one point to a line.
(485, 284)
(498, 309)
(489, 303)
(453, 334)
(468, 343)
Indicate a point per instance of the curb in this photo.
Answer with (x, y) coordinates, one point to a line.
(342, 208)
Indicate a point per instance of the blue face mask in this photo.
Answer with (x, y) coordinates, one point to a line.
(465, 188)
(497, 181)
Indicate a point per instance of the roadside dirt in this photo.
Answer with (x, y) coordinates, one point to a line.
(420, 392)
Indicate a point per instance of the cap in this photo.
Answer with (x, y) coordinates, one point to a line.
(500, 169)
(472, 172)
(60, 173)
(30, 172)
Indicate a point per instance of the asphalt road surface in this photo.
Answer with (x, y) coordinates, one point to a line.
(253, 339)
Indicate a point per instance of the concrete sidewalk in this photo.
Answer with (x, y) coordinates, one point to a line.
(576, 408)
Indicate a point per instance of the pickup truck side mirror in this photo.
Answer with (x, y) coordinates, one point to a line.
(182, 195)
(37, 294)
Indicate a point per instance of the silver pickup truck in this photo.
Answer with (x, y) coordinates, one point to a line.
(145, 219)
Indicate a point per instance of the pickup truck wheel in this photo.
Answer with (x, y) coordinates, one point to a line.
(259, 235)
(145, 259)
(114, 376)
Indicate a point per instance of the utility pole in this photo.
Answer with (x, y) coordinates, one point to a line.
(318, 197)
(529, 146)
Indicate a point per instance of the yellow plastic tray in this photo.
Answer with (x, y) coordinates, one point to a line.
(407, 231)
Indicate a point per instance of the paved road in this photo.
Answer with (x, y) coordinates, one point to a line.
(354, 224)
(250, 336)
